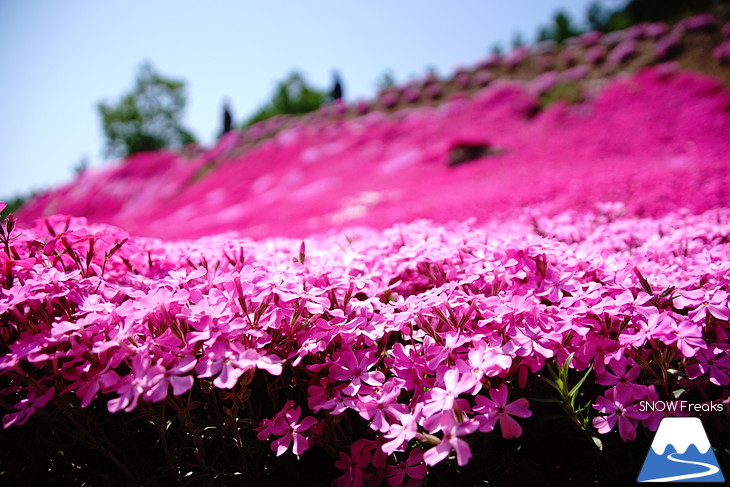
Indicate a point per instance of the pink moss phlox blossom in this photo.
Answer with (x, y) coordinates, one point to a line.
(128, 388)
(687, 337)
(452, 432)
(289, 428)
(622, 371)
(568, 56)
(462, 79)
(497, 408)
(85, 382)
(441, 398)
(483, 78)
(590, 38)
(650, 394)
(515, 57)
(483, 361)
(655, 29)
(668, 46)
(656, 326)
(410, 469)
(388, 99)
(354, 464)
(437, 352)
(713, 361)
(25, 408)
(400, 434)
(701, 302)
(545, 82)
(380, 405)
(279, 284)
(160, 377)
(403, 326)
(354, 367)
(619, 405)
(229, 361)
(408, 364)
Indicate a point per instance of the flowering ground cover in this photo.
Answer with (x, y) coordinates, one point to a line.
(373, 355)
(486, 290)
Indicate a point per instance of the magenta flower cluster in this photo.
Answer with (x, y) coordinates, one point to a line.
(428, 333)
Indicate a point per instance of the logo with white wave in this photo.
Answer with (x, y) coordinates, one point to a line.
(681, 452)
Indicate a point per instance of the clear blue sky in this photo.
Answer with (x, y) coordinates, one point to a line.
(59, 58)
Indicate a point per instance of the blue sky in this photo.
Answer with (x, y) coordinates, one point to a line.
(60, 58)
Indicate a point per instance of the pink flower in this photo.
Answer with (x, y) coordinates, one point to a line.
(412, 467)
(714, 361)
(687, 337)
(498, 409)
(379, 406)
(619, 405)
(286, 424)
(228, 361)
(623, 371)
(354, 465)
(451, 440)
(704, 303)
(26, 407)
(656, 326)
(159, 378)
(403, 432)
(442, 398)
(282, 286)
(354, 367)
(129, 389)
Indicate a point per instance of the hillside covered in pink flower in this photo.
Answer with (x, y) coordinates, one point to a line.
(656, 141)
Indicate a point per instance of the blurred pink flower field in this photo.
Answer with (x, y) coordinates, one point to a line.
(656, 142)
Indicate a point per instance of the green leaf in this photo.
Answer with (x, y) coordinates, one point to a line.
(552, 384)
(576, 387)
(566, 364)
(597, 441)
(545, 400)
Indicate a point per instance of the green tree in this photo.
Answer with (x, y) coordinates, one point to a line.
(517, 40)
(561, 29)
(293, 96)
(604, 19)
(149, 117)
(386, 80)
(636, 11)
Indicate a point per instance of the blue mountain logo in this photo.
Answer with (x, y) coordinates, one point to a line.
(681, 452)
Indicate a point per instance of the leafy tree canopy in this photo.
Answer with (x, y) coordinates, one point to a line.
(292, 96)
(604, 18)
(149, 117)
(386, 80)
(561, 29)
